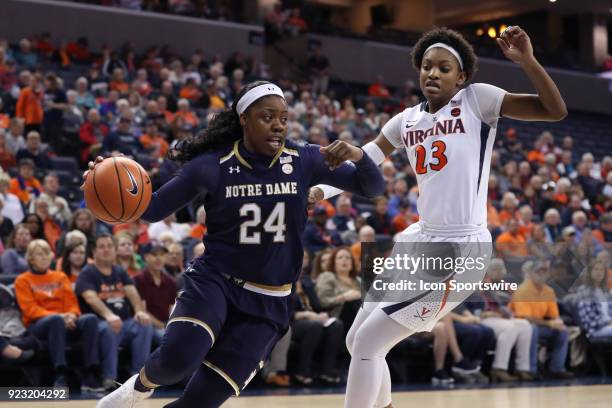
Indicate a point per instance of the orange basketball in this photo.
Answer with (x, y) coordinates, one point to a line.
(117, 190)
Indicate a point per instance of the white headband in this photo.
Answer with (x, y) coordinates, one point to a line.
(254, 94)
(447, 48)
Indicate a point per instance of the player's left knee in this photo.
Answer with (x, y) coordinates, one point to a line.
(365, 348)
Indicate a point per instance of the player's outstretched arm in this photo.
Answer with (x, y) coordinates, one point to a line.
(362, 177)
(547, 104)
(378, 151)
(195, 177)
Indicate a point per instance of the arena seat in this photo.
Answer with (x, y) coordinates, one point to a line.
(65, 163)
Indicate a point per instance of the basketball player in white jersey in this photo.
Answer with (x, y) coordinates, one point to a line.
(448, 140)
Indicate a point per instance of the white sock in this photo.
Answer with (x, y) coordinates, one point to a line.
(372, 341)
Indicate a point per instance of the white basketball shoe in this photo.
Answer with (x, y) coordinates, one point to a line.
(125, 396)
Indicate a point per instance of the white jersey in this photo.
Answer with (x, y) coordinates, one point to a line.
(450, 153)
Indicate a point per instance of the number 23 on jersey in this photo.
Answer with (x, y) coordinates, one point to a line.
(438, 158)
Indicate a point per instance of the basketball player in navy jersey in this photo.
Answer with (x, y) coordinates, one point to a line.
(449, 141)
(234, 306)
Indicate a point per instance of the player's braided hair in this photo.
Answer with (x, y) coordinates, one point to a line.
(452, 38)
(223, 129)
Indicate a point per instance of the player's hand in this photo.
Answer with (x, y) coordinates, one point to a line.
(322, 317)
(315, 194)
(142, 318)
(90, 166)
(114, 322)
(515, 44)
(338, 152)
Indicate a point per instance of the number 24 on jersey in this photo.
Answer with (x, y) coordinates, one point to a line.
(275, 223)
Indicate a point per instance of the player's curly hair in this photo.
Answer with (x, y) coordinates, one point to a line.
(452, 38)
(223, 129)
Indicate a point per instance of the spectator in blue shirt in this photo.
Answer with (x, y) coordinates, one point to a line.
(122, 139)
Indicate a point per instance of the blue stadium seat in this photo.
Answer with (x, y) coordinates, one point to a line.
(65, 163)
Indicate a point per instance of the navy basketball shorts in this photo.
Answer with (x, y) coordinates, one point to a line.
(244, 326)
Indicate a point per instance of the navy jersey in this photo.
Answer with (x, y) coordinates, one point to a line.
(256, 205)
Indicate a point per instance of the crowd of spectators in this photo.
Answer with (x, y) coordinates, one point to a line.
(113, 286)
(223, 10)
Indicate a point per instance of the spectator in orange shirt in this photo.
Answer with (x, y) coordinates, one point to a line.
(153, 141)
(535, 301)
(493, 221)
(29, 105)
(315, 197)
(25, 186)
(525, 221)
(215, 102)
(118, 83)
(162, 103)
(185, 112)
(536, 155)
(43, 45)
(191, 91)
(378, 89)
(79, 50)
(509, 205)
(603, 234)
(405, 218)
(295, 23)
(141, 84)
(137, 229)
(5, 119)
(511, 243)
(562, 190)
(50, 311)
(199, 229)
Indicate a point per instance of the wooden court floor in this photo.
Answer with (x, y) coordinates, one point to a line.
(593, 396)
